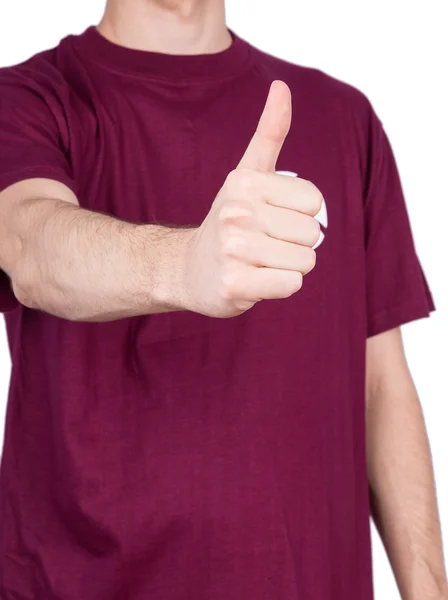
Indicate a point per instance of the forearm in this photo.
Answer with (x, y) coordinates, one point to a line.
(403, 496)
(87, 266)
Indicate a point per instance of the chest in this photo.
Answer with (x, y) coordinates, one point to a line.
(150, 157)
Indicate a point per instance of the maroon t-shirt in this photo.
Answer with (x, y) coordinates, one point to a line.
(176, 456)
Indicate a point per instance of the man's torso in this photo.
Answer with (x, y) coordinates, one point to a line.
(176, 456)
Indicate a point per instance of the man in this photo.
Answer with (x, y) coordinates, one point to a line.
(186, 416)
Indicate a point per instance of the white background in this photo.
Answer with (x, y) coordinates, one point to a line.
(396, 52)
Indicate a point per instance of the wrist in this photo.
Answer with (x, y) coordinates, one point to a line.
(169, 249)
(429, 589)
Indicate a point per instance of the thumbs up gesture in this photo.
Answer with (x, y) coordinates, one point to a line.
(257, 241)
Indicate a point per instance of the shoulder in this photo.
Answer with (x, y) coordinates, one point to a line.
(35, 99)
(35, 91)
(315, 88)
(37, 80)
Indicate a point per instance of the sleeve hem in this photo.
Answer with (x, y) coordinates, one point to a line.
(399, 315)
(8, 301)
(8, 179)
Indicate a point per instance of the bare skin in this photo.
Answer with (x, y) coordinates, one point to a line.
(168, 26)
(255, 243)
(401, 477)
(81, 265)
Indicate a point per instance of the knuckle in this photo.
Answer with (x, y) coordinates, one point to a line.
(309, 259)
(234, 213)
(314, 231)
(319, 203)
(226, 214)
(295, 283)
(228, 286)
(315, 198)
(233, 246)
(239, 182)
(242, 305)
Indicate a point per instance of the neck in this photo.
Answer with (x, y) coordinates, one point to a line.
(167, 26)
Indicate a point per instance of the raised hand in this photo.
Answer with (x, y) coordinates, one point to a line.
(257, 241)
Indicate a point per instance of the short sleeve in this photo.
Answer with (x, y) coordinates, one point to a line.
(32, 133)
(397, 289)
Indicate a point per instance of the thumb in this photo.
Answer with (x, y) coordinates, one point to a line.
(275, 121)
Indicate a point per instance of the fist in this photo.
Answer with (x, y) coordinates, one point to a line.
(257, 241)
